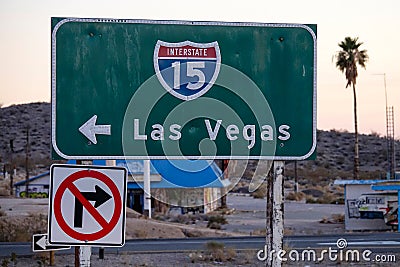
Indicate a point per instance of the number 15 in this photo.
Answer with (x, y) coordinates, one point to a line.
(193, 69)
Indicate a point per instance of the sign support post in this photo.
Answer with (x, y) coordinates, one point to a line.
(147, 194)
(77, 249)
(52, 258)
(274, 215)
(84, 256)
(82, 253)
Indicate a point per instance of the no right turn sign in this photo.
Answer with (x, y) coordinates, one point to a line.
(87, 205)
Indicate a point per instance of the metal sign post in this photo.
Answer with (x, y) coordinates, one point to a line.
(85, 252)
(274, 215)
(146, 189)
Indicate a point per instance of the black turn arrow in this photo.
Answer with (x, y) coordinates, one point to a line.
(99, 196)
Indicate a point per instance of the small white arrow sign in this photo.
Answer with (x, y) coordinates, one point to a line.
(90, 129)
(42, 242)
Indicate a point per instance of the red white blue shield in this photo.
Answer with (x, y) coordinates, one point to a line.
(187, 70)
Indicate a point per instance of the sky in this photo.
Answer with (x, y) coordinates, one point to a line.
(25, 46)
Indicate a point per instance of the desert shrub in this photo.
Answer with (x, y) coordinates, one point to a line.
(339, 218)
(261, 192)
(192, 233)
(216, 251)
(214, 225)
(327, 198)
(184, 218)
(335, 218)
(215, 221)
(5, 188)
(295, 196)
(180, 219)
(310, 200)
(5, 263)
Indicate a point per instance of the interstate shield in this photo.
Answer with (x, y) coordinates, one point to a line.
(187, 70)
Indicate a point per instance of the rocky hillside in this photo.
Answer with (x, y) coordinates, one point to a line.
(15, 122)
(334, 150)
(335, 157)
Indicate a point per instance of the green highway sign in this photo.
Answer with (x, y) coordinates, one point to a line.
(141, 89)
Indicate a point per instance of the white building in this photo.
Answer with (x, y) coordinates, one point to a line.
(354, 221)
(38, 186)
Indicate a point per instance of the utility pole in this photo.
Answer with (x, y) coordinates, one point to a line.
(27, 151)
(11, 167)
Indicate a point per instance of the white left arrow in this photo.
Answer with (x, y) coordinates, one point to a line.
(90, 129)
(42, 242)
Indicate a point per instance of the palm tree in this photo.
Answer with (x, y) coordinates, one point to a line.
(346, 61)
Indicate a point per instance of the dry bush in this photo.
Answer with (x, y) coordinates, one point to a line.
(5, 187)
(215, 221)
(295, 196)
(192, 233)
(338, 218)
(261, 191)
(216, 251)
(335, 218)
(327, 198)
(310, 200)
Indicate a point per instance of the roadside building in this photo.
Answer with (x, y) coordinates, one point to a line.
(364, 207)
(38, 186)
(193, 186)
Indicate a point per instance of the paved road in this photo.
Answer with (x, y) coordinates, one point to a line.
(376, 242)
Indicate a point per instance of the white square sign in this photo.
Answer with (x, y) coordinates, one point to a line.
(87, 205)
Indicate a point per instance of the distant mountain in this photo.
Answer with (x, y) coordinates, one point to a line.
(334, 148)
